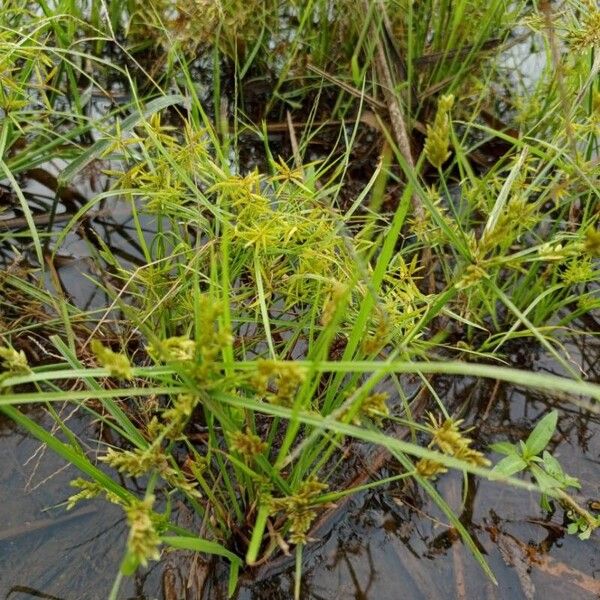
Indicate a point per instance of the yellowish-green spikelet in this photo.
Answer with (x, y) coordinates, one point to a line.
(438, 135)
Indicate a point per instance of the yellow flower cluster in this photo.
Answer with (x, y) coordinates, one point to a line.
(117, 364)
(144, 542)
(278, 381)
(247, 444)
(13, 361)
(449, 439)
(299, 508)
(438, 135)
(587, 35)
(374, 407)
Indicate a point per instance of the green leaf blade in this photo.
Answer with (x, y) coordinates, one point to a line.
(542, 434)
(511, 464)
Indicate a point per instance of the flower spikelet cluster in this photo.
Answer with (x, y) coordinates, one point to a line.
(278, 381)
(438, 135)
(449, 439)
(143, 542)
(247, 444)
(300, 509)
(117, 364)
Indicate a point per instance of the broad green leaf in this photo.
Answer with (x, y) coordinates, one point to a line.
(554, 469)
(571, 482)
(511, 464)
(505, 448)
(552, 466)
(546, 482)
(573, 528)
(542, 433)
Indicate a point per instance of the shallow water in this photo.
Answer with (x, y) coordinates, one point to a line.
(390, 543)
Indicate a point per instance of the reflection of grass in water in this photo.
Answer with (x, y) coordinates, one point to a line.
(273, 310)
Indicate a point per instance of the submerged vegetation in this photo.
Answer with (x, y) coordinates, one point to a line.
(328, 205)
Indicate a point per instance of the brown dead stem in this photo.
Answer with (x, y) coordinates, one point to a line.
(400, 134)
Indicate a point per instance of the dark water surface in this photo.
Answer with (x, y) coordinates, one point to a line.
(390, 543)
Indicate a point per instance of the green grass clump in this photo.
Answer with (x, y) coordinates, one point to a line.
(272, 306)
